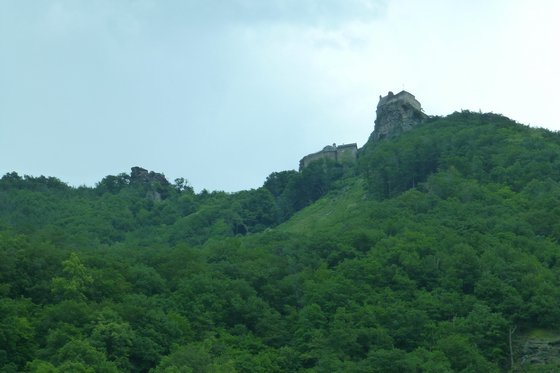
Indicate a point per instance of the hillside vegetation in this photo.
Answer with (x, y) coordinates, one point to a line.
(437, 252)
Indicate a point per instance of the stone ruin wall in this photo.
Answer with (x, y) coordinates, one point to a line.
(342, 153)
(323, 154)
(346, 153)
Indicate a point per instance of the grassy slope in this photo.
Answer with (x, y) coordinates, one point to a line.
(338, 210)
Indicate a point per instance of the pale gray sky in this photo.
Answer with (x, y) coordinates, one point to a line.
(225, 92)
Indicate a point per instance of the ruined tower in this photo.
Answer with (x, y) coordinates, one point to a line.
(396, 114)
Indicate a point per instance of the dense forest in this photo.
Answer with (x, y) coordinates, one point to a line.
(438, 251)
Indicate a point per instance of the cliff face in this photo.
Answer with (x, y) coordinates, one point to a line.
(396, 114)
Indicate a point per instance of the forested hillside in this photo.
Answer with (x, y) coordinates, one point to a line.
(437, 252)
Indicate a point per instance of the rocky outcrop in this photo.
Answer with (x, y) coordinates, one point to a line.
(154, 183)
(143, 176)
(543, 350)
(396, 114)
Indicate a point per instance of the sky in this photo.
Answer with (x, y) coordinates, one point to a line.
(225, 92)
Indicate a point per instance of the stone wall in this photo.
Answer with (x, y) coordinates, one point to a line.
(340, 154)
(346, 153)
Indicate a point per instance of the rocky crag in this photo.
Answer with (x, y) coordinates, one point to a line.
(540, 350)
(154, 183)
(397, 113)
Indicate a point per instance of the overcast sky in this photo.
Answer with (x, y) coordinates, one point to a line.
(225, 92)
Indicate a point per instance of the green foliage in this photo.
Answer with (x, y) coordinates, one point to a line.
(422, 259)
(294, 191)
(485, 147)
(74, 281)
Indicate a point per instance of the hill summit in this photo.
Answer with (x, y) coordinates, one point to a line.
(397, 113)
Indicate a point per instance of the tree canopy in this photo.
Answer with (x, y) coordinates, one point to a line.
(437, 252)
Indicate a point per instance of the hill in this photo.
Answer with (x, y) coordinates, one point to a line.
(437, 252)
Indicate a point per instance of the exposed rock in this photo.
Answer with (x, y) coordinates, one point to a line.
(154, 183)
(143, 176)
(544, 350)
(396, 114)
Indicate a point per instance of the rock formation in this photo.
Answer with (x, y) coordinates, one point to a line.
(396, 114)
(143, 176)
(541, 350)
(154, 183)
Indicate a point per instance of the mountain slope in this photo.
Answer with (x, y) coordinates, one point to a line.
(438, 252)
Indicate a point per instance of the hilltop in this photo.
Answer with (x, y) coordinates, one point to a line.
(435, 251)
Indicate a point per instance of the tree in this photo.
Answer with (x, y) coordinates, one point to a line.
(114, 336)
(74, 281)
(464, 356)
(182, 185)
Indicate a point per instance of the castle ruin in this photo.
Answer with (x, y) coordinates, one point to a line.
(397, 113)
(339, 154)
